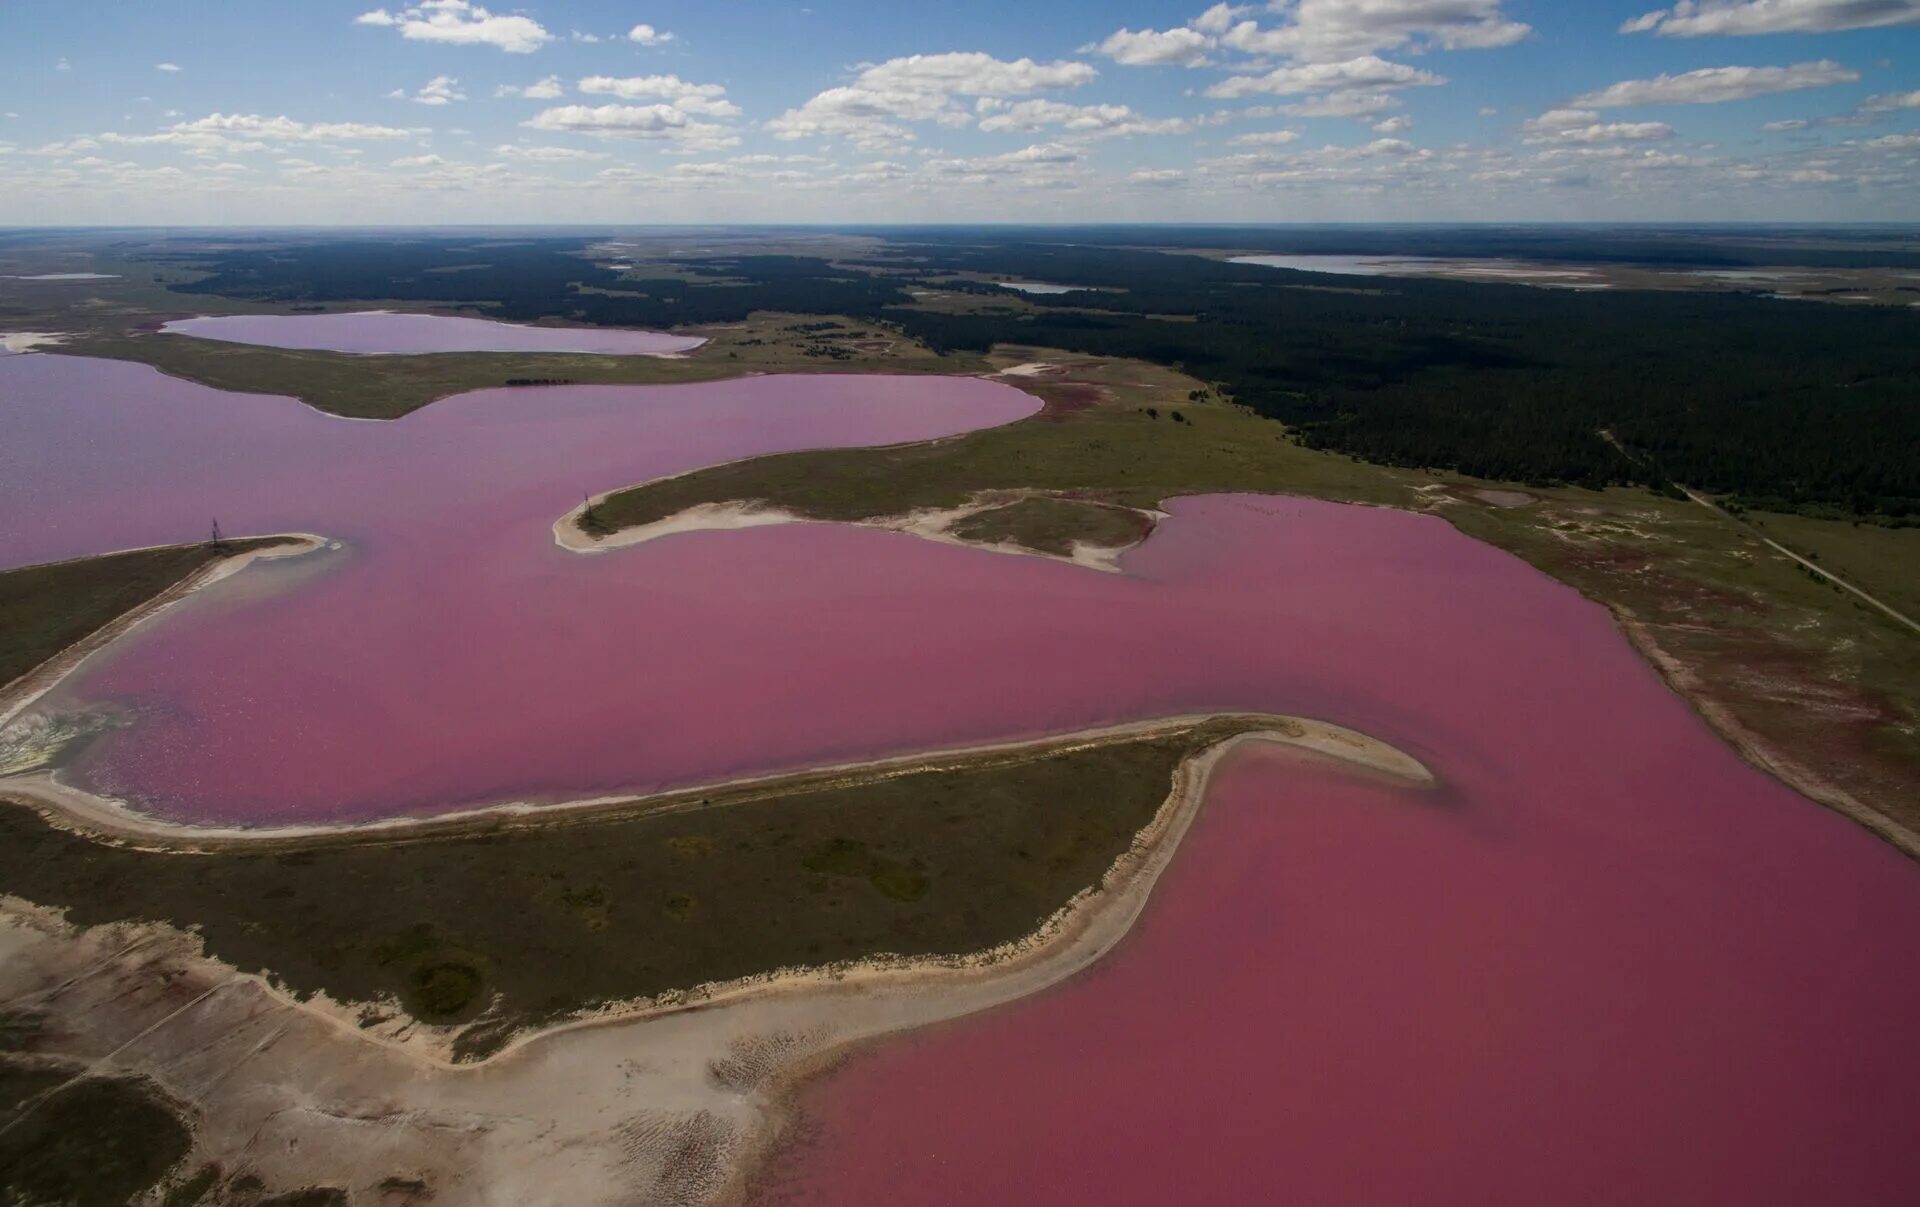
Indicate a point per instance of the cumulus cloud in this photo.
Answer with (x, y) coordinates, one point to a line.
(1319, 31)
(1889, 102)
(646, 35)
(1397, 124)
(285, 129)
(1266, 138)
(1712, 85)
(1342, 104)
(461, 23)
(623, 121)
(1694, 18)
(1095, 121)
(870, 111)
(167, 67)
(440, 90)
(418, 161)
(1791, 123)
(706, 99)
(654, 122)
(540, 90)
(1364, 72)
(1333, 30)
(1604, 132)
(1151, 48)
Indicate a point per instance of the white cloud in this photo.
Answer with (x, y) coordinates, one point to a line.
(1333, 30)
(1397, 124)
(418, 161)
(62, 64)
(1150, 48)
(622, 121)
(1157, 176)
(285, 129)
(541, 90)
(547, 154)
(440, 90)
(168, 67)
(1266, 138)
(461, 23)
(1896, 142)
(1888, 102)
(1712, 85)
(705, 99)
(1366, 71)
(1342, 104)
(920, 88)
(646, 35)
(1319, 31)
(1694, 18)
(1606, 132)
(1090, 120)
(653, 122)
(1791, 123)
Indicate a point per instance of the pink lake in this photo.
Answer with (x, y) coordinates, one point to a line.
(1606, 962)
(381, 332)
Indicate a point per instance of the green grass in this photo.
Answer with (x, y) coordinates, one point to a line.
(1884, 562)
(555, 914)
(1096, 440)
(44, 609)
(387, 387)
(99, 1141)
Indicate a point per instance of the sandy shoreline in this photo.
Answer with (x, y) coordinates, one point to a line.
(665, 1099)
(17, 696)
(932, 524)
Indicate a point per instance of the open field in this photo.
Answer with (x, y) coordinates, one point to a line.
(1882, 561)
(1810, 683)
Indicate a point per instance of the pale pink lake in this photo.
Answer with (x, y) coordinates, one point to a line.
(1607, 962)
(380, 332)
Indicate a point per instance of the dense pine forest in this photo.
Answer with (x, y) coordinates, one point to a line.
(1788, 405)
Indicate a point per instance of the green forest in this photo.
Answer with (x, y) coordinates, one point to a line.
(1782, 405)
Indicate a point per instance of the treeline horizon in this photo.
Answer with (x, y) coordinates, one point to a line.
(1777, 405)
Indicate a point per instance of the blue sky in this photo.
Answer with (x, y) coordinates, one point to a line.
(235, 111)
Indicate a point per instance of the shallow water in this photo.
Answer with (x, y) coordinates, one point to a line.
(382, 332)
(1606, 962)
(1037, 287)
(1675, 984)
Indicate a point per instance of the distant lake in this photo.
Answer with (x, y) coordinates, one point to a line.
(381, 332)
(1038, 287)
(1352, 266)
(70, 276)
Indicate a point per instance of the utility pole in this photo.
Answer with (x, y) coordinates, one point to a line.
(216, 540)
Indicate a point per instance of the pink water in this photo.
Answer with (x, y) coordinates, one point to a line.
(1607, 962)
(379, 331)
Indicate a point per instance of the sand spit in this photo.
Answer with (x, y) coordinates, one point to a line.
(660, 1101)
(13, 343)
(15, 697)
(932, 524)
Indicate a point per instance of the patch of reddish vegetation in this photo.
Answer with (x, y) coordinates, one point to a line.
(1064, 398)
